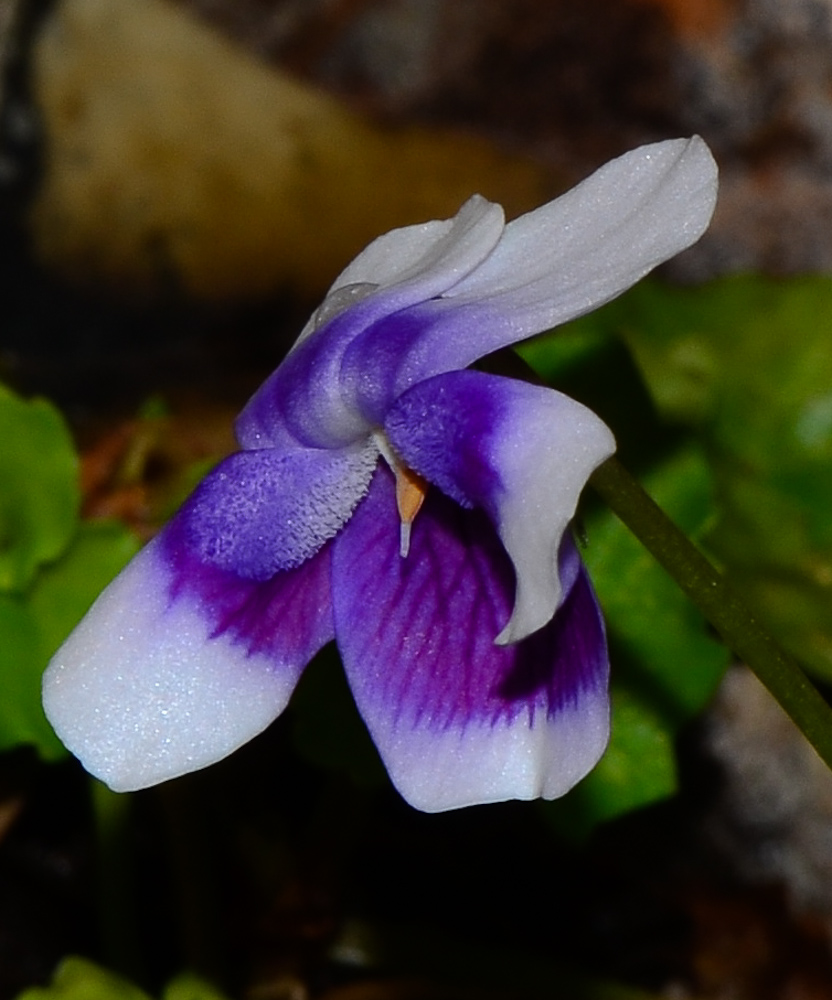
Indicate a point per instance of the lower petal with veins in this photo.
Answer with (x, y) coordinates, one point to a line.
(457, 719)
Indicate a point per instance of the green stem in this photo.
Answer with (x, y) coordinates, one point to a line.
(116, 886)
(716, 599)
(192, 846)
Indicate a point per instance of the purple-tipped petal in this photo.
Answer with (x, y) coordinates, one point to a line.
(551, 265)
(457, 719)
(521, 452)
(260, 512)
(305, 399)
(178, 664)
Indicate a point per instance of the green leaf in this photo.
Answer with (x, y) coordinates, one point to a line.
(747, 361)
(665, 665)
(188, 986)
(78, 979)
(646, 612)
(65, 590)
(39, 494)
(21, 665)
(33, 625)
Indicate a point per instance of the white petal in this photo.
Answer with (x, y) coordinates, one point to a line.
(140, 695)
(556, 263)
(436, 771)
(424, 259)
(598, 239)
(546, 453)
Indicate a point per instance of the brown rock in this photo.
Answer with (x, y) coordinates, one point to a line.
(177, 161)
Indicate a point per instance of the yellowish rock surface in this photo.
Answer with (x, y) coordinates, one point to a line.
(176, 161)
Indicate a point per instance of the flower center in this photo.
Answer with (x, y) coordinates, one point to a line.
(410, 490)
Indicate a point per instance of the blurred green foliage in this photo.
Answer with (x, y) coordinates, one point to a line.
(52, 564)
(737, 446)
(665, 663)
(747, 362)
(78, 979)
(39, 493)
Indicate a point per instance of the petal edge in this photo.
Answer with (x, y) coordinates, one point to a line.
(148, 688)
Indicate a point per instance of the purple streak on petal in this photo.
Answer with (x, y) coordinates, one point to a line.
(304, 400)
(260, 512)
(520, 452)
(287, 617)
(417, 639)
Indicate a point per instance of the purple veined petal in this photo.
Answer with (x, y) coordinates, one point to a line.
(260, 512)
(177, 664)
(550, 266)
(457, 719)
(305, 400)
(521, 452)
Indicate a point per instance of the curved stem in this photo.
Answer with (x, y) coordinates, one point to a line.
(113, 815)
(719, 603)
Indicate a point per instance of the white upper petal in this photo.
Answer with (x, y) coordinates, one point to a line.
(550, 266)
(421, 261)
(598, 239)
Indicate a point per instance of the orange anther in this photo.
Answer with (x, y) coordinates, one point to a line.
(410, 495)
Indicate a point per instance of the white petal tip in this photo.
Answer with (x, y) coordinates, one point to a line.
(486, 764)
(528, 617)
(140, 694)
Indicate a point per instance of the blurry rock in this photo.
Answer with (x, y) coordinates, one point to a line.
(578, 82)
(8, 19)
(773, 821)
(178, 163)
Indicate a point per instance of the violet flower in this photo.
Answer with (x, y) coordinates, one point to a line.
(412, 509)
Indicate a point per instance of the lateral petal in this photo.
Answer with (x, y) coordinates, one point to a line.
(260, 512)
(177, 664)
(457, 719)
(520, 452)
(553, 264)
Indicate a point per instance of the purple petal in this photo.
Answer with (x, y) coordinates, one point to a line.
(177, 664)
(304, 400)
(457, 719)
(260, 512)
(550, 266)
(521, 452)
